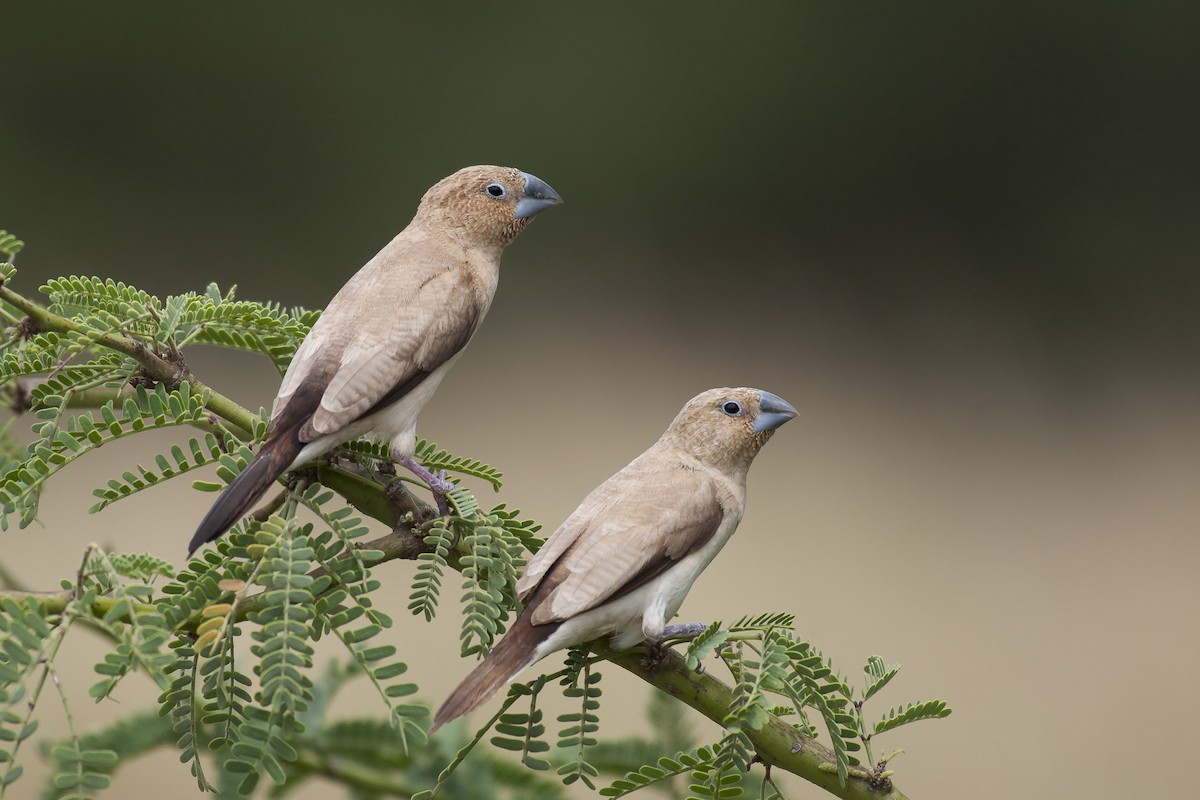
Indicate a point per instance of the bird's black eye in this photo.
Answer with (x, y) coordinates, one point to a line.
(731, 407)
(496, 190)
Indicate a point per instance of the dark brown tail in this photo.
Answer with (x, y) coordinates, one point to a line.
(273, 459)
(513, 653)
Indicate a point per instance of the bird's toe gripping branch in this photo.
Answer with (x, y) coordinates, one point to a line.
(438, 484)
(657, 649)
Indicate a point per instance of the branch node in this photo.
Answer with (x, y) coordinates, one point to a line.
(27, 328)
(655, 657)
(406, 506)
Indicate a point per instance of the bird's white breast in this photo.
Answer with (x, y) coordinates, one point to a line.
(647, 609)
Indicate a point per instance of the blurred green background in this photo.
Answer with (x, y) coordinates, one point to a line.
(961, 238)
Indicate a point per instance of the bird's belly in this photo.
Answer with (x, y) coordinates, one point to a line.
(672, 586)
(649, 606)
(617, 616)
(396, 423)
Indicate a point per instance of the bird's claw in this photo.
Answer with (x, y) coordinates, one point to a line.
(655, 656)
(439, 484)
(404, 503)
(657, 652)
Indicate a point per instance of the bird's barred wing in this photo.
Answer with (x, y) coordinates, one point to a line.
(635, 526)
(372, 348)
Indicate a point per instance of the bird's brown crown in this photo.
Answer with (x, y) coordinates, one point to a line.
(477, 204)
(718, 427)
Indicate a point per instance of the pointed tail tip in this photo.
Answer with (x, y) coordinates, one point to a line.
(199, 539)
(465, 698)
(474, 690)
(244, 491)
(219, 519)
(513, 653)
(458, 704)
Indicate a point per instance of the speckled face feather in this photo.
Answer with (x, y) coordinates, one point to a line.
(714, 437)
(462, 204)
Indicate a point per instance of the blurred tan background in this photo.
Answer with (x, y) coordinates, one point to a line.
(962, 239)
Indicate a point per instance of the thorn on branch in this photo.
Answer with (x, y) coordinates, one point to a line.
(655, 657)
(141, 379)
(27, 328)
(298, 479)
(406, 506)
(880, 778)
(173, 369)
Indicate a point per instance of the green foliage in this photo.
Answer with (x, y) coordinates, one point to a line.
(662, 770)
(81, 773)
(713, 637)
(140, 566)
(435, 458)
(61, 386)
(490, 568)
(714, 781)
(767, 663)
(431, 565)
(756, 677)
(27, 639)
(282, 647)
(125, 739)
(715, 771)
(341, 611)
(880, 674)
(104, 361)
(582, 683)
(181, 320)
(517, 531)
(931, 709)
(59, 446)
(10, 245)
(79, 296)
(490, 553)
(815, 685)
(524, 732)
(181, 701)
(198, 453)
(138, 629)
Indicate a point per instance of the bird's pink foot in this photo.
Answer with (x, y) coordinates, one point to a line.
(687, 630)
(438, 484)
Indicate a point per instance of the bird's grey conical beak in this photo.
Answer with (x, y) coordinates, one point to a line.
(773, 411)
(538, 197)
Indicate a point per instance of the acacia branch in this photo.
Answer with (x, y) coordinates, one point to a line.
(777, 743)
(162, 370)
(352, 773)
